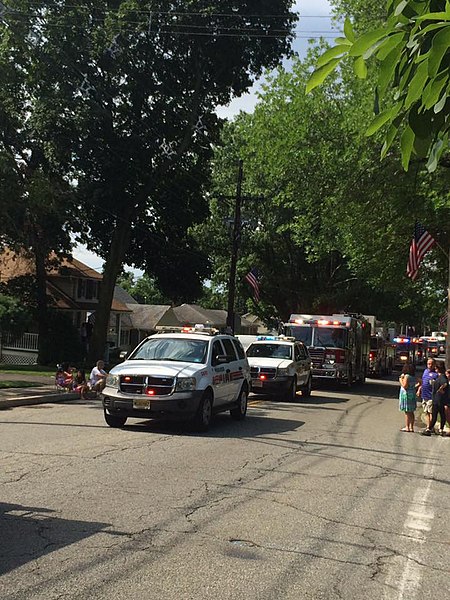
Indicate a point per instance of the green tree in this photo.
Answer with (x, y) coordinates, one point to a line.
(124, 95)
(333, 227)
(412, 51)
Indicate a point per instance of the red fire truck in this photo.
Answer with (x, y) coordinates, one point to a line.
(338, 345)
(381, 356)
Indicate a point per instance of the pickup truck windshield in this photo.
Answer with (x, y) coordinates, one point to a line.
(192, 351)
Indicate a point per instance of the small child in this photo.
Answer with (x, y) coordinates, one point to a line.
(80, 384)
(64, 377)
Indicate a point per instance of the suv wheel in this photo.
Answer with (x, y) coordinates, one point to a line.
(202, 419)
(291, 394)
(114, 420)
(306, 389)
(238, 413)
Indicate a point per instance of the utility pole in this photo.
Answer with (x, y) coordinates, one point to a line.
(237, 226)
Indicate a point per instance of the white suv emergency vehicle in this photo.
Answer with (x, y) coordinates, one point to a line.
(279, 365)
(188, 375)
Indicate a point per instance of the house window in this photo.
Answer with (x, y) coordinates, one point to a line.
(87, 289)
(125, 337)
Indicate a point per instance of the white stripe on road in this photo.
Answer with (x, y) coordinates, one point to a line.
(417, 523)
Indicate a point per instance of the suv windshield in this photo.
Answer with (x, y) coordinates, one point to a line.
(192, 351)
(269, 351)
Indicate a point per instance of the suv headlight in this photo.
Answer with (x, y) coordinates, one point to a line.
(282, 372)
(112, 381)
(185, 384)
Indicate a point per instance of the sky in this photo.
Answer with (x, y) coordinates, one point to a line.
(316, 21)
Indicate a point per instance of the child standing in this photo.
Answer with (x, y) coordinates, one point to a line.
(407, 396)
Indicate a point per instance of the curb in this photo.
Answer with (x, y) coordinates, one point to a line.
(41, 399)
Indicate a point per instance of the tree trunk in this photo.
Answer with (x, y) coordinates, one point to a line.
(112, 267)
(42, 308)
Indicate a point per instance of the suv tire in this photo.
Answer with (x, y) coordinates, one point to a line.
(291, 394)
(306, 389)
(240, 410)
(202, 419)
(114, 420)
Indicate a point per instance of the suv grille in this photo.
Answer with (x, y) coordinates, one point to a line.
(269, 372)
(136, 384)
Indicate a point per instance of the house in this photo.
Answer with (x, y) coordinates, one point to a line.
(72, 288)
(147, 319)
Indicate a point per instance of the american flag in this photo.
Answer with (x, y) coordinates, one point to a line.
(443, 320)
(422, 242)
(252, 278)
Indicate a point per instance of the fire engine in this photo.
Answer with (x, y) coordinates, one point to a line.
(338, 345)
(381, 356)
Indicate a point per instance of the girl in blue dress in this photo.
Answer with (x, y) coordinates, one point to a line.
(407, 395)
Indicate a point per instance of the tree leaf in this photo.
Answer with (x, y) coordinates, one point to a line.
(360, 67)
(435, 154)
(406, 145)
(440, 105)
(367, 40)
(348, 30)
(319, 75)
(432, 91)
(381, 119)
(331, 53)
(439, 46)
(417, 84)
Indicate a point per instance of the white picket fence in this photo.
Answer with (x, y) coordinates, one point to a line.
(21, 350)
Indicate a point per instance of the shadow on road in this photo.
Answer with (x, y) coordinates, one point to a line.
(222, 426)
(28, 532)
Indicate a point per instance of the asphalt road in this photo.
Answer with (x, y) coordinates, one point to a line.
(322, 499)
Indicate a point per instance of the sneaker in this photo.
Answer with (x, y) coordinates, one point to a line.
(426, 432)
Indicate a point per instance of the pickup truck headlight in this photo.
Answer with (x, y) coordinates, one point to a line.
(112, 381)
(282, 372)
(185, 384)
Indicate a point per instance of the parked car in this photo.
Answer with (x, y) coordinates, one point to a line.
(281, 366)
(189, 376)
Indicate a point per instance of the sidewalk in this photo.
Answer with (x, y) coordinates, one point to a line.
(42, 390)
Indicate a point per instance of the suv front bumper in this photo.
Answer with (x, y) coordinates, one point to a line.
(269, 386)
(180, 405)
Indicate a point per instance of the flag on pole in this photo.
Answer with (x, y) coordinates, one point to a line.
(252, 278)
(443, 321)
(422, 242)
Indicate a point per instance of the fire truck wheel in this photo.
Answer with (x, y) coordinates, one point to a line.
(291, 394)
(349, 381)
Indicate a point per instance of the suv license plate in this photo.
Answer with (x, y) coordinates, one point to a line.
(141, 403)
(257, 383)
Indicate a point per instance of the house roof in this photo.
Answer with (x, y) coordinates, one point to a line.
(123, 296)
(144, 316)
(191, 314)
(13, 264)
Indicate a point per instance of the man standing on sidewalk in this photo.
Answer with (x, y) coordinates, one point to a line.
(426, 390)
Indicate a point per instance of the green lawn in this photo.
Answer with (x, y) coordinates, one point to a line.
(27, 370)
(6, 385)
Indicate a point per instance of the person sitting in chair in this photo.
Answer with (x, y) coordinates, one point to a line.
(97, 379)
(64, 377)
